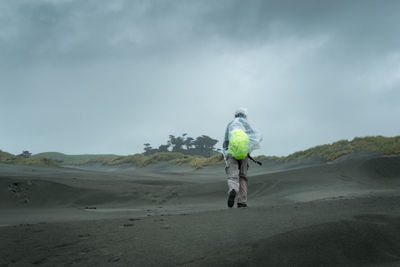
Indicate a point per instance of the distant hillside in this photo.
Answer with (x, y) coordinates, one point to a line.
(8, 158)
(4, 155)
(325, 153)
(64, 159)
(330, 152)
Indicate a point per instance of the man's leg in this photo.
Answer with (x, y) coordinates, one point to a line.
(232, 171)
(243, 190)
(243, 181)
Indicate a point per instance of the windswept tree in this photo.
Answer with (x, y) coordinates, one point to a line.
(171, 142)
(188, 143)
(163, 148)
(25, 154)
(179, 142)
(202, 145)
(176, 143)
(147, 149)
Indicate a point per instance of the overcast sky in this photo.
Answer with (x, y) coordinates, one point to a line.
(100, 76)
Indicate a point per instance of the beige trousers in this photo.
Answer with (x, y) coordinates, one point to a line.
(236, 171)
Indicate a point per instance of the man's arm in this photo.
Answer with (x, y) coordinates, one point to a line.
(225, 144)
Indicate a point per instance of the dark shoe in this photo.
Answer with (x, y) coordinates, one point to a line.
(231, 198)
(241, 205)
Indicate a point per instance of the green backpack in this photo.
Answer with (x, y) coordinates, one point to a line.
(238, 144)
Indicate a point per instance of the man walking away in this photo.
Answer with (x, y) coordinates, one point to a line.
(240, 140)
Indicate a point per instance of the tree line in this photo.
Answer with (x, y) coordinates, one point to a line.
(202, 145)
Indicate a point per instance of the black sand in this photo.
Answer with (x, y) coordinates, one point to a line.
(343, 214)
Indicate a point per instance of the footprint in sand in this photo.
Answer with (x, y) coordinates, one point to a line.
(84, 251)
(84, 236)
(126, 225)
(165, 227)
(39, 261)
(115, 259)
(20, 191)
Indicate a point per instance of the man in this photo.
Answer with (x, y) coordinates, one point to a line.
(240, 139)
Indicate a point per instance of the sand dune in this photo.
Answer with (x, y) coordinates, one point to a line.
(340, 214)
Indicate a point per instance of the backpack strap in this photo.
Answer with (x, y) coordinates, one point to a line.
(255, 161)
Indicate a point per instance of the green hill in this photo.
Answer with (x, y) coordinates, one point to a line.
(4, 155)
(8, 158)
(64, 159)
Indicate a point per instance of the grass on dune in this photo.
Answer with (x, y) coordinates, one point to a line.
(141, 160)
(329, 152)
(65, 159)
(4, 155)
(8, 158)
(198, 162)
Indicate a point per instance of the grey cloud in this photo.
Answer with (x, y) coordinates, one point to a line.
(82, 30)
(129, 72)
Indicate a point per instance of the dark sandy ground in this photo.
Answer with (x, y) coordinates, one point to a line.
(340, 214)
